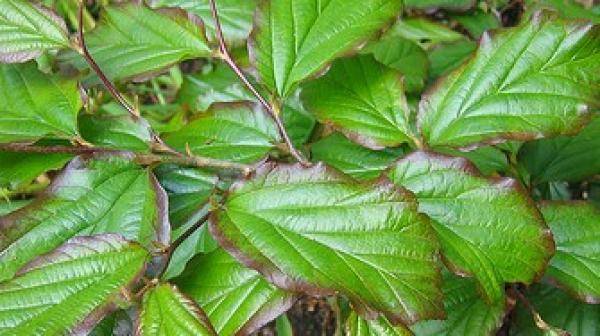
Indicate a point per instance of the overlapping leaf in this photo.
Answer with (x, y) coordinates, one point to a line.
(449, 4)
(234, 132)
(235, 16)
(70, 289)
(576, 264)
(236, 299)
(564, 158)
(489, 229)
(559, 310)
(27, 29)
(35, 104)
(89, 197)
(467, 313)
(19, 169)
(166, 311)
(352, 159)
(358, 326)
(317, 231)
(363, 98)
(132, 40)
(295, 39)
(539, 79)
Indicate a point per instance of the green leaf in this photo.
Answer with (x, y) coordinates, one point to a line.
(27, 29)
(19, 169)
(317, 231)
(132, 40)
(283, 326)
(424, 32)
(236, 299)
(564, 158)
(570, 9)
(352, 159)
(364, 99)
(557, 309)
(487, 159)
(478, 22)
(200, 91)
(35, 104)
(468, 314)
(70, 289)
(7, 207)
(166, 311)
(293, 40)
(448, 4)
(116, 131)
(188, 190)
(489, 229)
(448, 56)
(89, 197)
(576, 263)
(233, 132)
(539, 79)
(298, 122)
(403, 55)
(235, 16)
(357, 326)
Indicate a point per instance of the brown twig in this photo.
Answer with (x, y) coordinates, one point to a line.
(175, 244)
(225, 56)
(90, 60)
(140, 158)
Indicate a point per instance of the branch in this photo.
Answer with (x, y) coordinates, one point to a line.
(90, 60)
(224, 54)
(140, 158)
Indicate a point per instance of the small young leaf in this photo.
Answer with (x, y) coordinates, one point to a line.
(237, 300)
(478, 22)
(352, 159)
(539, 79)
(27, 29)
(424, 32)
(448, 56)
(233, 132)
(132, 40)
(89, 197)
(557, 309)
(235, 16)
(166, 311)
(489, 229)
(564, 158)
(293, 40)
(316, 231)
(358, 326)
(576, 264)
(364, 99)
(70, 289)
(468, 314)
(116, 131)
(35, 104)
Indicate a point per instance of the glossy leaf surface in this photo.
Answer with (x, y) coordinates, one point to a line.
(234, 132)
(27, 29)
(19, 169)
(70, 289)
(236, 299)
(132, 40)
(539, 79)
(89, 197)
(166, 311)
(357, 326)
(576, 264)
(510, 243)
(316, 231)
(35, 104)
(293, 40)
(364, 99)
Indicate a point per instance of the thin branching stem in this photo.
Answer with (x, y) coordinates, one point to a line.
(226, 56)
(90, 60)
(140, 158)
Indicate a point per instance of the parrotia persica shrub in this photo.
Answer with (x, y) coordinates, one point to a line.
(431, 167)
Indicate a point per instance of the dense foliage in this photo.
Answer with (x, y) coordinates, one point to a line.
(179, 167)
